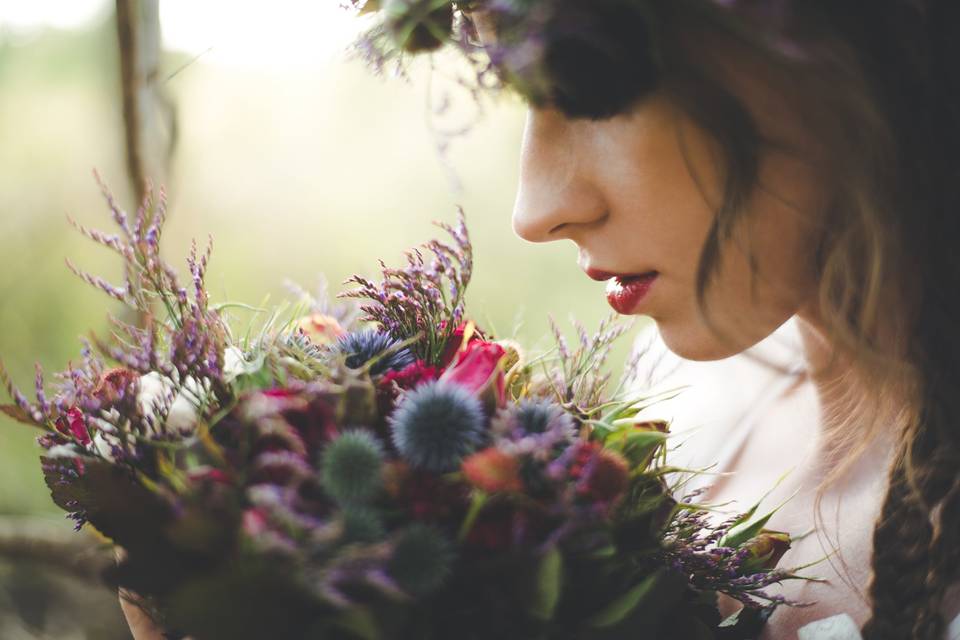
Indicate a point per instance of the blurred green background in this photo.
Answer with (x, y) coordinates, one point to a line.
(297, 162)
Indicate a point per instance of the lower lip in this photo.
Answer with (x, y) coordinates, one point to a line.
(626, 294)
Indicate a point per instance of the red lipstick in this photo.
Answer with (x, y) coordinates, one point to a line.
(625, 292)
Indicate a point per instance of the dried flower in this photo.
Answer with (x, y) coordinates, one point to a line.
(320, 328)
(422, 301)
(493, 471)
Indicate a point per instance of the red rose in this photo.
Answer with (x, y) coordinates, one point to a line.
(456, 343)
(479, 368)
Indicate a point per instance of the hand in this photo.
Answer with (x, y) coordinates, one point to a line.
(141, 625)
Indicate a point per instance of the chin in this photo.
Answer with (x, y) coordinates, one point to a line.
(697, 344)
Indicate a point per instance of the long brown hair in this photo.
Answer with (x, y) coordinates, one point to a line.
(874, 82)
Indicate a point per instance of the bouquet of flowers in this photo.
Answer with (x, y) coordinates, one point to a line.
(379, 470)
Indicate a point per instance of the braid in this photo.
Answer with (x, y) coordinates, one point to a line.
(945, 553)
(915, 558)
(901, 539)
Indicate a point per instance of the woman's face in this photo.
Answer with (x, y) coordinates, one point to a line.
(637, 193)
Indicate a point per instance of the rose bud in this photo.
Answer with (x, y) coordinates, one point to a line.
(479, 370)
(462, 337)
(766, 549)
(493, 471)
(320, 328)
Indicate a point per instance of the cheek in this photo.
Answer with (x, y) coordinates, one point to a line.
(766, 272)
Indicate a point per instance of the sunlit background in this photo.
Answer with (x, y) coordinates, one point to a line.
(297, 161)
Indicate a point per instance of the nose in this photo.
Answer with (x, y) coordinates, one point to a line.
(557, 196)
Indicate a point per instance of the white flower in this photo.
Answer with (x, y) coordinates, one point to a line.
(157, 391)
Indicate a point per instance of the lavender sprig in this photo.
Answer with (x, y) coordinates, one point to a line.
(694, 550)
(422, 299)
(576, 375)
(186, 348)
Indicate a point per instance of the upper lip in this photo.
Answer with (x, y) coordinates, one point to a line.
(600, 274)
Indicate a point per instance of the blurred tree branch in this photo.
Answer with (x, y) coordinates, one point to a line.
(145, 107)
(45, 544)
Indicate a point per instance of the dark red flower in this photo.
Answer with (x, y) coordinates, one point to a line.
(426, 496)
(391, 384)
(504, 525)
(74, 423)
(601, 474)
(410, 376)
(116, 384)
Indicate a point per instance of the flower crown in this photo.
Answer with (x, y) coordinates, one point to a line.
(587, 58)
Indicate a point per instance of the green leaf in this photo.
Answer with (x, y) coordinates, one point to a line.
(744, 517)
(549, 585)
(621, 607)
(740, 533)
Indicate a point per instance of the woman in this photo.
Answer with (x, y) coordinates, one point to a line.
(738, 170)
(740, 164)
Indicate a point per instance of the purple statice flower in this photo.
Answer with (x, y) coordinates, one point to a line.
(186, 348)
(422, 301)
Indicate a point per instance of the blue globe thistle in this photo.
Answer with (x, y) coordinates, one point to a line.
(537, 427)
(361, 524)
(350, 467)
(438, 424)
(421, 559)
(362, 346)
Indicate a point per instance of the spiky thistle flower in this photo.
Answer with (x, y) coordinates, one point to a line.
(438, 424)
(422, 559)
(422, 301)
(533, 427)
(361, 524)
(351, 466)
(360, 347)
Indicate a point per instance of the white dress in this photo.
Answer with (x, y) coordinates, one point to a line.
(735, 391)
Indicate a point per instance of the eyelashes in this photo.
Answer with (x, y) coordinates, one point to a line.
(587, 58)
